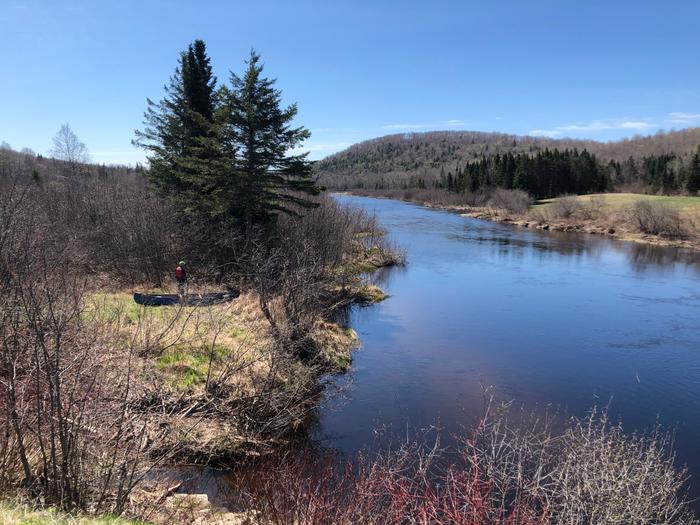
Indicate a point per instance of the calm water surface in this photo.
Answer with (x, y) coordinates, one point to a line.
(569, 320)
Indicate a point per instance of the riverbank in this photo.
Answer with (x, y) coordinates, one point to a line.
(117, 390)
(263, 400)
(206, 363)
(209, 386)
(611, 215)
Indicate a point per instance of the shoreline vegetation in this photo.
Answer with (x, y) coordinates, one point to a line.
(672, 221)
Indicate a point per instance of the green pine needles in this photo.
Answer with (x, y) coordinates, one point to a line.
(226, 153)
(692, 183)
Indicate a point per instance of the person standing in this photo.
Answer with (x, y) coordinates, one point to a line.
(181, 278)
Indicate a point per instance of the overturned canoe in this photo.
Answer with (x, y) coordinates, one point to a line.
(194, 299)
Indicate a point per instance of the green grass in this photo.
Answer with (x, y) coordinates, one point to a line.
(108, 306)
(357, 268)
(369, 293)
(239, 333)
(14, 514)
(188, 367)
(340, 362)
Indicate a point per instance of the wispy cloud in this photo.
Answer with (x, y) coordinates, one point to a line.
(605, 125)
(640, 125)
(451, 123)
(595, 126)
(679, 117)
(545, 133)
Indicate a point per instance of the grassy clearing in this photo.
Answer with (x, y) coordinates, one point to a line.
(13, 514)
(200, 369)
(623, 201)
(178, 345)
(110, 306)
(652, 219)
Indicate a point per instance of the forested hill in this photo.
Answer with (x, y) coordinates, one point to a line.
(394, 160)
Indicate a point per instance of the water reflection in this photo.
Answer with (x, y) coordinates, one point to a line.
(645, 256)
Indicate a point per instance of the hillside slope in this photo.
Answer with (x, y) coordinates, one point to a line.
(394, 158)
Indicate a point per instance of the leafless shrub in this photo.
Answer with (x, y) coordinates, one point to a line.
(510, 201)
(123, 231)
(69, 440)
(109, 217)
(476, 199)
(290, 285)
(657, 219)
(593, 208)
(295, 271)
(538, 215)
(570, 207)
(564, 207)
(604, 476)
(510, 469)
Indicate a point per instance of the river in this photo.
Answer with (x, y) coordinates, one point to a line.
(549, 320)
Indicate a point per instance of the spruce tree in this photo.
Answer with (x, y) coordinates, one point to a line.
(271, 177)
(181, 136)
(692, 183)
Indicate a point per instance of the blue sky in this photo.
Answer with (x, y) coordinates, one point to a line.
(358, 69)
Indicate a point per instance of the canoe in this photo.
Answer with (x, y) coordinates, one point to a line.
(195, 299)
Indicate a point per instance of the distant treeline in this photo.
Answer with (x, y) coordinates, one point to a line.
(550, 173)
(660, 163)
(544, 175)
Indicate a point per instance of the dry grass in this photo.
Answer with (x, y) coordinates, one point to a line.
(178, 341)
(13, 514)
(213, 377)
(689, 207)
(647, 218)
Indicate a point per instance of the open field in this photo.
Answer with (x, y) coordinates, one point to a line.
(689, 206)
(652, 219)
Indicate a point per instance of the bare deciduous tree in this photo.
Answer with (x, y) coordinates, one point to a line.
(67, 147)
